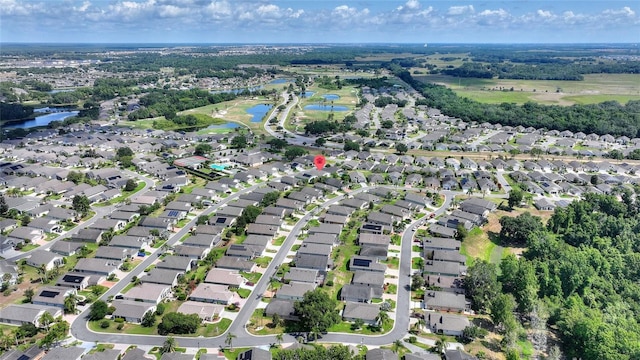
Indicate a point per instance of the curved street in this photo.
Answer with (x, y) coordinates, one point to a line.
(80, 330)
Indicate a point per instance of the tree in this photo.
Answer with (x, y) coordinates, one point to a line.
(70, 303)
(481, 283)
(25, 220)
(202, 219)
(441, 345)
(239, 142)
(516, 230)
(270, 198)
(81, 204)
(317, 310)
(149, 319)
(401, 148)
(461, 232)
(229, 340)
(386, 124)
(515, 198)
(397, 345)
(98, 310)
(351, 145)
(275, 319)
(358, 324)
(178, 323)
(279, 338)
(320, 141)
(57, 332)
(124, 151)
(293, 152)
(202, 149)
(29, 293)
(277, 144)
(417, 281)
(130, 185)
(4, 208)
(382, 318)
(46, 319)
(502, 308)
(170, 344)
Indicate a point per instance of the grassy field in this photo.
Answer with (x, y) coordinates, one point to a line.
(216, 114)
(234, 111)
(594, 89)
(298, 116)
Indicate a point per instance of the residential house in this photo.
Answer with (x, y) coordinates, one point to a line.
(132, 311)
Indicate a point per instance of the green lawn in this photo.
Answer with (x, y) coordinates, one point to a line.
(244, 293)
(263, 261)
(252, 276)
(345, 327)
(279, 241)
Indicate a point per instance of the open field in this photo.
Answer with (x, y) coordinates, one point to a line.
(594, 89)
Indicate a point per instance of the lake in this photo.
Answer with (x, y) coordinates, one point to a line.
(318, 107)
(331, 97)
(258, 112)
(42, 120)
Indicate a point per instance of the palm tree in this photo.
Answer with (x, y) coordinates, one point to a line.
(397, 345)
(46, 319)
(279, 338)
(169, 346)
(229, 340)
(441, 345)
(42, 270)
(70, 303)
(382, 318)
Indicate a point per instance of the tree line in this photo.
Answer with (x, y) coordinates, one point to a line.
(579, 274)
(541, 71)
(609, 117)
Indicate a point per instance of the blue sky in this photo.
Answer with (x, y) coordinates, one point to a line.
(319, 21)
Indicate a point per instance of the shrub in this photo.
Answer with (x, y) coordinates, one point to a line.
(104, 324)
(329, 283)
(119, 320)
(160, 309)
(120, 326)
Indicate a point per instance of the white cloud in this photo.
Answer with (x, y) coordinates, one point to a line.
(218, 9)
(85, 5)
(545, 13)
(19, 8)
(626, 11)
(460, 10)
(167, 11)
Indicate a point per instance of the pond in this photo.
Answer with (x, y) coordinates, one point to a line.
(307, 94)
(279, 81)
(319, 107)
(42, 120)
(331, 97)
(227, 125)
(258, 112)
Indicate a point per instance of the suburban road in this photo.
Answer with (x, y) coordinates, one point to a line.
(80, 331)
(79, 326)
(100, 212)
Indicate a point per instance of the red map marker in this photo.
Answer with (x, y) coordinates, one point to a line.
(319, 160)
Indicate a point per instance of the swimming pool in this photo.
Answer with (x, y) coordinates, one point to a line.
(218, 167)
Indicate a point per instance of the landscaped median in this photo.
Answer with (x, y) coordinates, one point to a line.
(205, 329)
